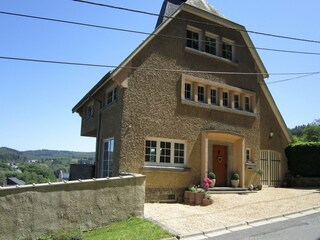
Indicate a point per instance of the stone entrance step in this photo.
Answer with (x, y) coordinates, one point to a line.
(229, 190)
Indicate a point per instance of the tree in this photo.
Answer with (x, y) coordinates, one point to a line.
(311, 133)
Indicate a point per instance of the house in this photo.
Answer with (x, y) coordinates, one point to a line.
(13, 181)
(181, 106)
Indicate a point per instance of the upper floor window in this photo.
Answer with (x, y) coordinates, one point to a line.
(225, 99)
(193, 38)
(111, 96)
(188, 91)
(236, 101)
(165, 152)
(201, 94)
(89, 110)
(227, 49)
(211, 42)
(247, 104)
(213, 96)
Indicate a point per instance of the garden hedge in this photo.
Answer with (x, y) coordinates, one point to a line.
(304, 159)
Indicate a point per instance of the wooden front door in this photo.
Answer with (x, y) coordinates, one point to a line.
(220, 164)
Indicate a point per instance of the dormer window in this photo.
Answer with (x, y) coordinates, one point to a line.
(227, 49)
(193, 38)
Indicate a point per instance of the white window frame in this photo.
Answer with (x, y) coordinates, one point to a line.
(232, 44)
(199, 32)
(217, 96)
(110, 158)
(172, 153)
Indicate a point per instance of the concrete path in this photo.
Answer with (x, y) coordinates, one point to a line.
(231, 210)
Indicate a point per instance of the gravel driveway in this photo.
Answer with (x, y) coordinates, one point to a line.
(231, 209)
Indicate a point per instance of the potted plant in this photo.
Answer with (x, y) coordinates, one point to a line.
(207, 200)
(192, 196)
(200, 193)
(235, 179)
(207, 182)
(212, 177)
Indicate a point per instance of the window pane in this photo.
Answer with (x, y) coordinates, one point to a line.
(192, 39)
(225, 99)
(236, 102)
(201, 95)
(179, 153)
(211, 45)
(187, 91)
(247, 103)
(150, 151)
(227, 51)
(165, 152)
(213, 96)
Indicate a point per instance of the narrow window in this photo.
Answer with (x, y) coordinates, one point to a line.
(247, 104)
(236, 101)
(248, 154)
(107, 157)
(211, 45)
(213, 96)
(89, 111)
(188, 91)
(225, 97)
(193, 39)
(165, 152)
(227, 51)
(201, 94)
(179, 153)
(111, 96)
(151, 151)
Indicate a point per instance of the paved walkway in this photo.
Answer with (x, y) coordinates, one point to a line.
(232, 209)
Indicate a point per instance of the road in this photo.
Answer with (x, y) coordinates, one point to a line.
(301, 228)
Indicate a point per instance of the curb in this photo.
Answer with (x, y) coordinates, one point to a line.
(248, 224)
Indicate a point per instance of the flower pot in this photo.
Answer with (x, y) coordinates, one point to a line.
(213, 183)
(235, 183)
(187, 197)
(192, 198)
(206, 202)
(199, 197)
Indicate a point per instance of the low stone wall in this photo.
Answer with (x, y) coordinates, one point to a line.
(305, 182)
(30, 211)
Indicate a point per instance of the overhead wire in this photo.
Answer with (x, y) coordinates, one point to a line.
(147, 33)
(194, 21)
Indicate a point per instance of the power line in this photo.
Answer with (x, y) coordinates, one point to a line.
(146, 33)
(155, 69)
(189, 20)
(294, 78)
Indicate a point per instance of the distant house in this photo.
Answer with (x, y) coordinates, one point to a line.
(13, 181)
(179, 107)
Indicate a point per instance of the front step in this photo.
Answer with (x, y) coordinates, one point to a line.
(229, 190)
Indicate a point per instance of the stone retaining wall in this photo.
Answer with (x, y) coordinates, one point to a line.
(30, 211)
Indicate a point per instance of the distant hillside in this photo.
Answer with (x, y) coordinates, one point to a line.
(12, 155)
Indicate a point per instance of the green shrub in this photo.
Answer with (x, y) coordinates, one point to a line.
(304, 159)
(235, 176)
(211, 175)
(68, 235)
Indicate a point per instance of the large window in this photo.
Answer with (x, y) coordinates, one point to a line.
(193, 39)
(107, 157)
(165, 152)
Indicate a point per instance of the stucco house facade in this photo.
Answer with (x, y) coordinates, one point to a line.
(189, 100)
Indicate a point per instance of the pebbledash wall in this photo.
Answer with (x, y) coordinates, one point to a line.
(31, 211)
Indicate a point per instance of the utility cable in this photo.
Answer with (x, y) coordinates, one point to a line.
(294, 78)
(189, 20)
(146, 33)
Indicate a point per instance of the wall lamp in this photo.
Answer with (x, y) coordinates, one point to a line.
(270, 134)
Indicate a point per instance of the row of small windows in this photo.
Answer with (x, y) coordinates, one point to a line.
(212, 43)
(238, 101)
(164, 152)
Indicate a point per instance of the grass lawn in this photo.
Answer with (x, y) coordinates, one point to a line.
(131, 229)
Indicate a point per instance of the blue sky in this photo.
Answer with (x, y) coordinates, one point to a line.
(37, 98)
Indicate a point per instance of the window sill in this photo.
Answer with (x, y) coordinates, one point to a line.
(164, 169)
(218, 108)
(208, 55)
